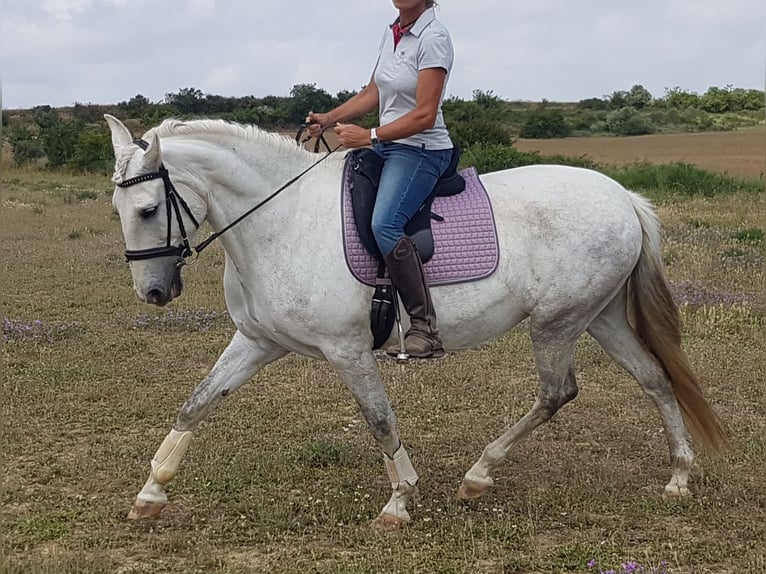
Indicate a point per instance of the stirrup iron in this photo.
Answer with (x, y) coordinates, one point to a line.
(401, 357)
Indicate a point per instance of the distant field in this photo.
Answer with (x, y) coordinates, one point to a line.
(741, 153)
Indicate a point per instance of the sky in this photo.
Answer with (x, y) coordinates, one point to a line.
(59, 52)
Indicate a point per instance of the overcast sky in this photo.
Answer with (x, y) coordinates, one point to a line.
(59, 52)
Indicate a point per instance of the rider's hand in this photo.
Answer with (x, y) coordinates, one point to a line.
(316, 123)
(351, 136)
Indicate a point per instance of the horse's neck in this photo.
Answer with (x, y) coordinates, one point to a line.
(237, 174)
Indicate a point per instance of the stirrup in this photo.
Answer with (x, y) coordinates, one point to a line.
(402, 357)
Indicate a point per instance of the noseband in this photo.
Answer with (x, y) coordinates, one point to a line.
(172, 201)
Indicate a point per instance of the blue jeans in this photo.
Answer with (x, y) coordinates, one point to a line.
(408, 178)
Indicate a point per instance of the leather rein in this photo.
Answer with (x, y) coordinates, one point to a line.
(174, 203)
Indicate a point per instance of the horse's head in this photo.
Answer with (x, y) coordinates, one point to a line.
(157, 222)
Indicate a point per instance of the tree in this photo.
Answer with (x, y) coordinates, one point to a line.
(57, 136)
(487, 100)
(618, 99)
(639, 97)
(186, 101)
(304, 99)
(136, 106)
(680, 98)
(343, 96)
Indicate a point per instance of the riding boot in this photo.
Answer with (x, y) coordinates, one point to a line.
(406, 269)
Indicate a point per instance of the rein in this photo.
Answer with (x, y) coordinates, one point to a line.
(173, 199)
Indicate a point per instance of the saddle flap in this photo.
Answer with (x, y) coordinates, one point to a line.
(366, 167)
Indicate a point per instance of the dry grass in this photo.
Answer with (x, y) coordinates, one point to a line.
(285, 478)
(739, 153)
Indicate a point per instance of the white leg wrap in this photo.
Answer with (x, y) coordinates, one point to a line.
(400, 468)
(168, 457)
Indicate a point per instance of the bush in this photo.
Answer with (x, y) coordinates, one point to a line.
(467, 134)
(25, 145)
(544, 123)
(680, 178)
(93, 152)
(57, 136)
(496, 157)
(628, 122)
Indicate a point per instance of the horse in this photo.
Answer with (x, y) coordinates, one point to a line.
(577, 253)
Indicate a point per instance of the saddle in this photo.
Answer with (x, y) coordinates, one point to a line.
(366, 167)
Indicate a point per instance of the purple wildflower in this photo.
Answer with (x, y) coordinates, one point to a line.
(696, 294)
(20, 331)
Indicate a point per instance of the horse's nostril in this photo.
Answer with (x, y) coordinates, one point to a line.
(154, 296)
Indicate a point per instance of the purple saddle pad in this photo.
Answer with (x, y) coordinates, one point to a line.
(465, 243)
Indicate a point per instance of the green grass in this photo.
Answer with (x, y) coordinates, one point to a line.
(679, 178)
(284, 476)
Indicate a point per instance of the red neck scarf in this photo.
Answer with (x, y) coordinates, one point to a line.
(400, 31)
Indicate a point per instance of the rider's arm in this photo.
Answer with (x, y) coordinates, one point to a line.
(423, 116)
(358, 105)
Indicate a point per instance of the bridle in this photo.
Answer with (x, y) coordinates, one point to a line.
(173, 200)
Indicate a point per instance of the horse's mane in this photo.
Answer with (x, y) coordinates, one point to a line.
(251, 133)
(173, 127)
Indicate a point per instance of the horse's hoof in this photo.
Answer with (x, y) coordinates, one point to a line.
(673, 492)
(388, 523)
(143, 510)
(471, 489)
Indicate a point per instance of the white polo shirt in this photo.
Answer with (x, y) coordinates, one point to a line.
(426, 44)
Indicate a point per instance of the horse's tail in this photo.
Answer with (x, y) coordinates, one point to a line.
(656, 320)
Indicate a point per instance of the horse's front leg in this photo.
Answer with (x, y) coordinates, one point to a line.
(242, 358)
(360, 374)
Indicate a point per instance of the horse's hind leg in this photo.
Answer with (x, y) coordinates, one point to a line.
(613, 332)
(555, 365)
(241, 360)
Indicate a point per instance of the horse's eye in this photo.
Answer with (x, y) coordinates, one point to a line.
(149, 212)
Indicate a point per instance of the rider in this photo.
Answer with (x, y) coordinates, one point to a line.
(407, 87)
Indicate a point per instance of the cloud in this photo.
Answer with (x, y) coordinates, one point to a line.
(105, 51)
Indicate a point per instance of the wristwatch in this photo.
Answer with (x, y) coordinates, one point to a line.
(374, 136)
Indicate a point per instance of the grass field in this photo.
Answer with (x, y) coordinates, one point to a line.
(285, 477)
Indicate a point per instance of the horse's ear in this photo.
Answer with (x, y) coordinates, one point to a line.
(152, 158)
(120, 134)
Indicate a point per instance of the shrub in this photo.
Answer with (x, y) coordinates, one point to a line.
(545, 123)
(24, 144)
(93, 152)
(466, 134)
(752, 236)
(680, 178)
(495, 157)
(628, 122)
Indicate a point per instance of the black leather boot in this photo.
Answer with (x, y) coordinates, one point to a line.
(406, 269)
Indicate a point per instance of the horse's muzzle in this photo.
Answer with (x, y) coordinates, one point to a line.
(161, 296)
